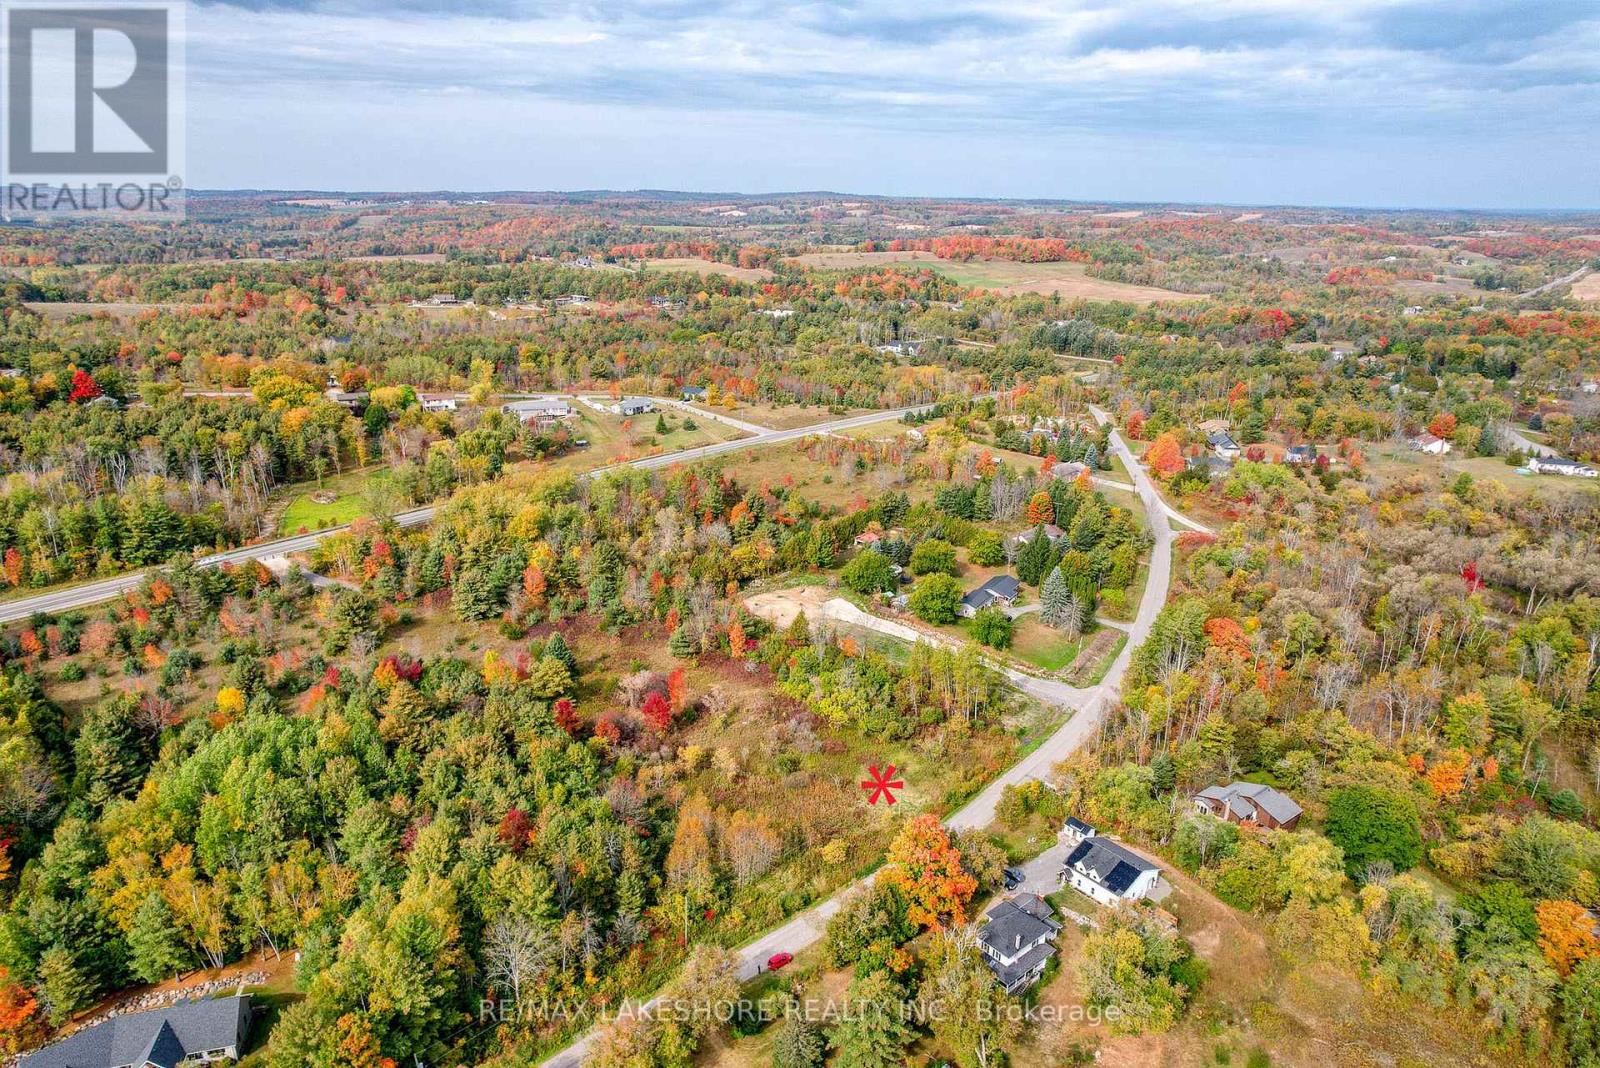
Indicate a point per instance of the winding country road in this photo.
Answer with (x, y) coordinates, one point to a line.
(93, 592)
(1090, 706)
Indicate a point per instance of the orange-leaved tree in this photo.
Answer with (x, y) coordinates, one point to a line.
(1165, 457)
(1566, 934)
(926, 869)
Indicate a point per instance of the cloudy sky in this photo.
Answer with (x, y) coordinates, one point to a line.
(1453, 103)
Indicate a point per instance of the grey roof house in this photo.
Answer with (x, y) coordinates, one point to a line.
(1107, 872)
(1250, 802)
(1016, 940)
(1002, 589)
(195, 1032)
(1223, 445)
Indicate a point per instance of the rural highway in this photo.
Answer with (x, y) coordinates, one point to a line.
(1090, 705)
(87, 593)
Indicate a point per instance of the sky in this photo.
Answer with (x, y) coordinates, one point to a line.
(1384, 103)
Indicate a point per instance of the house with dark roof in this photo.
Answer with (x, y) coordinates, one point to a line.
(1016, 541)
(631, 406)
(194, 1032)
(693, 393)
(1250, 803)
(1556, 465)
(1075, 831)
(539, 409)
(1223, 445)
(1107, 872)
(1016, 940)
(1000, 590)
(1300, 455)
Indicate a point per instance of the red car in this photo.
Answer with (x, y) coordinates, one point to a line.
(778, 960)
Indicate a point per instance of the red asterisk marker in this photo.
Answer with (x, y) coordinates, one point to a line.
(882, 784)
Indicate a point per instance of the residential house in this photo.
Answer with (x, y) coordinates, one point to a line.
(875, 537)
(628, 407)
(777, 313)
(1069, 471)
(1300, 455)
(539, 409)
(1075, 831)
(439, 404)
(1213, 466)
(1000, 590)
(1250, 803)
(1107, 872)
(668, 302)
(1016, 541)
(1214, 426)
(349, 398)
(193, 1032)
(693, 393)
(900, 348)
(571, 300)
(10, 372)
(1223, 445)
(1555, 465)
(1426, 442)
(1016, 940)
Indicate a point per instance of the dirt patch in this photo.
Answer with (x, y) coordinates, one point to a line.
(780, 607)
(1082, 667)
(698, 266)
(1587, 287)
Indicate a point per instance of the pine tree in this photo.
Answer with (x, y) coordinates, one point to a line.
(157, 950)
(62, 986)
(557, 648)
(1033, 562)
(797, 1043)
(1054, 598)
(682, 643)
(876, 1032)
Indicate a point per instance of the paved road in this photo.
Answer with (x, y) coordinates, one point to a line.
(1525, 443)
(1556, 283)
(94, 592)
(1090, 703)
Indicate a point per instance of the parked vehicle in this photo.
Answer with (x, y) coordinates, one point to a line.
(778, 960)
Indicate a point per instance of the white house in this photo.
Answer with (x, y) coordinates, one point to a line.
(631, 406)
(1107, 872)
(1075, 831)
(439, 404)
(539, 408)
(1555, 465)
(1016, 940)
(1426, 442)
(1223, 445)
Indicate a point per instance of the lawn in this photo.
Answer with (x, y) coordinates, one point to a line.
(337, 500)
(1043, 647)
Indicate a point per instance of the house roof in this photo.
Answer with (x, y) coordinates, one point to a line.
(161, 1036)
(1075, 824)
(1301, 450)
(1019, 968)
(1558, 461)
(1009, 927)
(1001, 586)
(1425, 438)
(1244, 798)
(1037, 907)
(1109, 864)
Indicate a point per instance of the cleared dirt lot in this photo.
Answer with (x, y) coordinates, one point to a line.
(1587, 287)
(1007, 277)
(119, 310)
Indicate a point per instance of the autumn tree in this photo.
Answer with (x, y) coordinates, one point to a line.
(1165, 456)
(84, 387)
(926, 868)
(1566, 934)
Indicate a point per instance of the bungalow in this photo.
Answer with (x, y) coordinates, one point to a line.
(439, 404)
(1555, 465)
(1107, 872)
(631, 406)
(876, 537)
(1249, 803)
(1052, 534)
(777, 313)
(1212, 466)
(572, 299)
(899, 348)
(540, 408)
(192, 1032)
(693, 393)
(1016, 940)
(1223, 445)
(352, 399)
(1075, 831)
(668, 302)
(1069, 471)
(1002, 590)
(1214, 426)
(1426, 442)
(1300, 455)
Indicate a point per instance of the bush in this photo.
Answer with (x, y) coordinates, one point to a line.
(71, 671)
(992, 627)
(1373, 825)
(933, 557)
(870, 572)
(936, 599)
(986, 549)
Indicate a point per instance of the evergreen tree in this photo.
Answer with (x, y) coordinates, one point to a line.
(876, 1032)
(157, 950)
(797, 1043)
(558, 649)
(1054, 600)
(112, 751)
(1035, 558)
(63, 989)
(682, 643)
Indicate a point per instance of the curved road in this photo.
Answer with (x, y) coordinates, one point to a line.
(1091, 705)
(94, 592)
